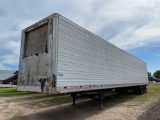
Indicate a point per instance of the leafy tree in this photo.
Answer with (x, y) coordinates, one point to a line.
(157, 74)
(149, 73)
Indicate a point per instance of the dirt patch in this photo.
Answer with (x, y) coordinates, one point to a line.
(151, 114)
(42, 107)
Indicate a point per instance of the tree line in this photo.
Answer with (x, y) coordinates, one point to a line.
(156, 74)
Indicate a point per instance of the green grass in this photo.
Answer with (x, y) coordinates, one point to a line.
(153, 91)
(11, 92)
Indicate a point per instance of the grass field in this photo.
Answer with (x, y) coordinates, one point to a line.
(11, 92)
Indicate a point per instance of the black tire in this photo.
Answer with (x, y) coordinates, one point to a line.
(140, 91)
(145, 89)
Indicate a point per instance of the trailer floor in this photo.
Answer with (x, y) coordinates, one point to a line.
(33, 107)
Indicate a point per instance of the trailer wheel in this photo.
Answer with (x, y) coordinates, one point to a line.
(140, 90)
(144, 88)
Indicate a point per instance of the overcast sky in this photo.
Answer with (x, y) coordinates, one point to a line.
(133, 25)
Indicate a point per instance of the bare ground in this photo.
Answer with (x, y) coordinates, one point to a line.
(151, 114)
(30, 108)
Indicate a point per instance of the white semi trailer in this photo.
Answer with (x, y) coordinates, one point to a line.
(58, 56)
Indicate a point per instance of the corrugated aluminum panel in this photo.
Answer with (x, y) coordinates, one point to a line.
(86, 59)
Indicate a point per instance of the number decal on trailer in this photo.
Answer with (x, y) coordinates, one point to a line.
(60, 74)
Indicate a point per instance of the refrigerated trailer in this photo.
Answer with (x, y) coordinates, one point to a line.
(58, 56)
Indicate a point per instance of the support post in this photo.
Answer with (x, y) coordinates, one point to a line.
(74, 98)
(101, 98)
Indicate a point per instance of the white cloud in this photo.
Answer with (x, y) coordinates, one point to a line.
(2, 66)
(132, 37)
(143, 32)
(10, 55)
(127, 24)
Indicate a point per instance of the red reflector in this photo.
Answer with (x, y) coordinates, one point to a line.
(65, 87)
(81, 86)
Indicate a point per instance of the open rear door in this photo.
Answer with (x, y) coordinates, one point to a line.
(36, 73)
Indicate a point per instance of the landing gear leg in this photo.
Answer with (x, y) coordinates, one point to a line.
(101, 98)
(74, 98)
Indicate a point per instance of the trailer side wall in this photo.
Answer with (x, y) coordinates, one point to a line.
(69, 58)
(86, 62)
